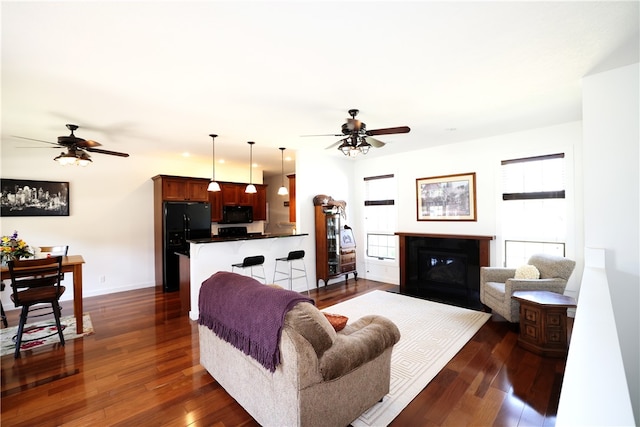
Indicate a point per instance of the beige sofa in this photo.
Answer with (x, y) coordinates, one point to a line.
(324, 378)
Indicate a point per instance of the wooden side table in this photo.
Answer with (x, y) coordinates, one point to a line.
(543, 322)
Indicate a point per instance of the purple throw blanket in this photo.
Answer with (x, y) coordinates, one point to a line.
(247, 314)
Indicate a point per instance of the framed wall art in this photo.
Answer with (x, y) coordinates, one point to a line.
(346, 238)
(22, 197)
(447, 198)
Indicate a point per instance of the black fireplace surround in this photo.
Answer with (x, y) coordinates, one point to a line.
(444, 269)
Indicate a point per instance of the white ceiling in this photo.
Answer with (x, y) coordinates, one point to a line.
(162, 76)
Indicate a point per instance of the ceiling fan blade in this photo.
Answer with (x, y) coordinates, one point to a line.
(326, 134)
(55, 147)
(98, 150)
(388, 131)
(335, 145)
(89, 143)
(37, 140)
(374, 142)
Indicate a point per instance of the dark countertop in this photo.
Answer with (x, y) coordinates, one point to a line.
(251, 236)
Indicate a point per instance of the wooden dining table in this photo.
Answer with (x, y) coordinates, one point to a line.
(70, 264)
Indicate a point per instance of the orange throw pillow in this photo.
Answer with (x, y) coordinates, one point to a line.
(337, 321)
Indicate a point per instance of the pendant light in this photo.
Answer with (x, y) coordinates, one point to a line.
(213, 185)
(282, 191)
(251, 188)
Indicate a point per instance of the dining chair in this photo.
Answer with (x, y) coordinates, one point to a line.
(35, 282)
(49, 251)
(55, 250)
(2, 313)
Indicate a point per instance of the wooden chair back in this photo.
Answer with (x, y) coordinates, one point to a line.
(35, 280)
(55, 250)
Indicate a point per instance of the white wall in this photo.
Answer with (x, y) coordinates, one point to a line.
(611, 200)
(318, 172)
(111, 215)
(593, 395)
(483, 157)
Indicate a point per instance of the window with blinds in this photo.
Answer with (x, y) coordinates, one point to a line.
(533, 207)
(540, 177)
(380, 216)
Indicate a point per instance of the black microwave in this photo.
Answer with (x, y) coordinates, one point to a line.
(237, 214)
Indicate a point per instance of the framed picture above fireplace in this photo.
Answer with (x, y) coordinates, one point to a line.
(447, 197)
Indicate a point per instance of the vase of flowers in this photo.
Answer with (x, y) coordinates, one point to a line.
(12, 248)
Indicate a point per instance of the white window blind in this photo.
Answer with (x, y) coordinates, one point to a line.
(380, 190)
(540, 177)
(533, 207)
(380, 216)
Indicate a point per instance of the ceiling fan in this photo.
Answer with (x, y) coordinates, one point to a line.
(358, 139)
(78, 149)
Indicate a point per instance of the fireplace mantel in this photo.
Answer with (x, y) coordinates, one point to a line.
(476, 248)
(447, 236)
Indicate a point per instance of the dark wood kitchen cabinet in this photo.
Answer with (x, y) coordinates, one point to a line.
(259, 203)
(197, 190)
(292, 197)
(233, 194)
(215, 200)
(181, 189)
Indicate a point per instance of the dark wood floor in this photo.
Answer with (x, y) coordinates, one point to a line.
(141, 368)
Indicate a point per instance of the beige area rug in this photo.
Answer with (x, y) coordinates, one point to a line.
(431, 334)
(43, 333)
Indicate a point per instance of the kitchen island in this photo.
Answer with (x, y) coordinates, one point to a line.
(210, 255)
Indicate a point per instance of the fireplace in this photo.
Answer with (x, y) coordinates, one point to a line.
(443, 268)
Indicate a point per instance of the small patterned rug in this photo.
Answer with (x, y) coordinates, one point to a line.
(431, 334)
(43, 333)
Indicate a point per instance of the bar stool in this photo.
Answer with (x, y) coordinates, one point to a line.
(250, 262)
(295, 261)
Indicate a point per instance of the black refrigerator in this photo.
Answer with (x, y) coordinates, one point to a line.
(181, 221)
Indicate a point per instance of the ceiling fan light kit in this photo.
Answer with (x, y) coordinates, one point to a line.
(282, 191)
(213, 185)
(352, 149)
(364, 147)
(73, 157)
(251, 189)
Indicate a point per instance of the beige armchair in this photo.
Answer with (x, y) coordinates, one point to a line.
(497, 284)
